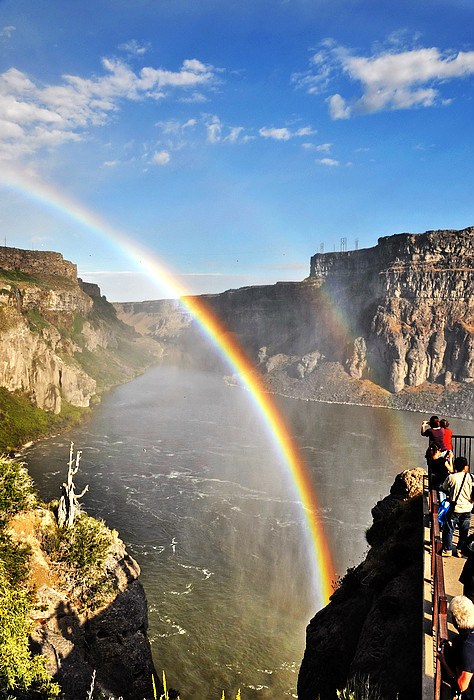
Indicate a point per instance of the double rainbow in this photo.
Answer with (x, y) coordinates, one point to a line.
(222, 340)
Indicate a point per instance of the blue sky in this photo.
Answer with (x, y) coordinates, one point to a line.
(232, 139)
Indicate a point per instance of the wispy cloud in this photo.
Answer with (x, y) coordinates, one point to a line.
(218, 132)
(390, 79)
(34, 116)
(328, 161)
(160, 158)
(284, 133)
(134, 48)
(6, 32)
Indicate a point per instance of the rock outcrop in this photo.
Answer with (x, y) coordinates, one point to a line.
(110, 641)
(371, 626)
(59, 338)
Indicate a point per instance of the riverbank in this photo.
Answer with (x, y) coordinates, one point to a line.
(329, 383)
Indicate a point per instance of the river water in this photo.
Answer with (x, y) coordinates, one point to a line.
(180, 464)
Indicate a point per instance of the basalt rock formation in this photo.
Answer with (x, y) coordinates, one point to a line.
(371, 627)
(60, 340)
(383, 325)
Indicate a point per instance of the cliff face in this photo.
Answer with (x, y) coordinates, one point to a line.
(371, 626)
(365, 326)
(57, 333)
(412, 307)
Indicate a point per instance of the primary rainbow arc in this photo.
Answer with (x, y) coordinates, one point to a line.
(222, 340)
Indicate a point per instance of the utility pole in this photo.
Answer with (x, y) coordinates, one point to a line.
(343, 244)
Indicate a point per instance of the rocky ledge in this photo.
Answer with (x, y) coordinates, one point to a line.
(107, 641)
(371, 626)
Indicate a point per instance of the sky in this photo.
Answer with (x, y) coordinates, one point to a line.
(231, 141)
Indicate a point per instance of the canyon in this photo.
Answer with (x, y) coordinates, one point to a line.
(391, 325)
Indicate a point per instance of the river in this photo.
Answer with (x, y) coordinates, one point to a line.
(180, 464)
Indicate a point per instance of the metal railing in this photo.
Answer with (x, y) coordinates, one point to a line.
(440, 600)
(463, 446)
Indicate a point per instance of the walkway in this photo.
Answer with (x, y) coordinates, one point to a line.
(449, 587)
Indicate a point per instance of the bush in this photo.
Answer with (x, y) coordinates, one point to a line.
(22, 676)
(79, 553)
(16, 489)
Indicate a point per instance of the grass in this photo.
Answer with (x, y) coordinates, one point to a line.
(21, 421)
(360, 689)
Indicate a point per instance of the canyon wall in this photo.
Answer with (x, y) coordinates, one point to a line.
(60, 340)
(382, 325)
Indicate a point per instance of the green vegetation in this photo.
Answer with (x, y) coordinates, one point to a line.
(36, 322)
(21, 422)
(22, 676)
(79, 553)
(359, 689)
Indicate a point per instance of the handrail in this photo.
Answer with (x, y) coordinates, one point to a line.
(463, 446)
(440, 601)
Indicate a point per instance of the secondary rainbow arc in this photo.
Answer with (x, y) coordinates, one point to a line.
(225, 343)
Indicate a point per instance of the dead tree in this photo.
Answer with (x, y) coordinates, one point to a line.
(69, 505)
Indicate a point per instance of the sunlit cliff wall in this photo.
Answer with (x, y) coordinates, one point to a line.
(57, 334)
(411, 304)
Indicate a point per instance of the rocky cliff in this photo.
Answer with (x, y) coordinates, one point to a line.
(390, 325)
(107, 640)
(371, 626)
(60, 340)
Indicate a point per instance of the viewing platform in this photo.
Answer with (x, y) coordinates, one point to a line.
(440, 583)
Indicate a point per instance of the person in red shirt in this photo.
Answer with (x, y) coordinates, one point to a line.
(448, 434)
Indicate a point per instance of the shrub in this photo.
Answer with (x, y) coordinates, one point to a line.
(16, 489)
(22, 676)
(79, 553)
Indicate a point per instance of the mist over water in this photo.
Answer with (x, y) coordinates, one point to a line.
(180, 464)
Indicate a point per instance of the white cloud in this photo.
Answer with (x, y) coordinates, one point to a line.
(282, 134)
(216, 130)
(305, 131)
(329, 161)
(338, 108)
(28, 111)
(160, 158)
(7, 32)
(324, 147)
(234, 133)
(390, 79)
(134, 48)
(285, 134)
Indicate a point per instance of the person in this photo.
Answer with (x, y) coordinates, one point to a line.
(448, 438)
(458, 486)
(438, 470)
(433, 430)
(457, 659)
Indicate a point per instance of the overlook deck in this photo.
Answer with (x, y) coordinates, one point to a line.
(440, 585)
